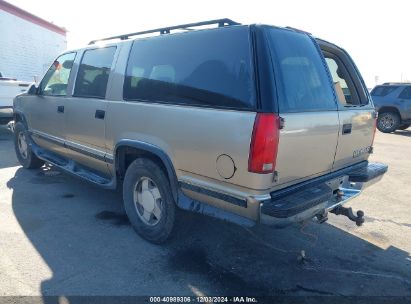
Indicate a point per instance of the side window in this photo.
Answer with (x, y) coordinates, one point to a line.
(56, 79)
(302, 78)
(92, 76)
(209, 68)
(342, 82)
(383, 90)
(406, 93)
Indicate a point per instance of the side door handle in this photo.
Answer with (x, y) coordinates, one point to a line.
(100, 114)
(346, 129)
(60, 109)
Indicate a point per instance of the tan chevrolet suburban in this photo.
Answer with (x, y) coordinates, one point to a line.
(247, 123)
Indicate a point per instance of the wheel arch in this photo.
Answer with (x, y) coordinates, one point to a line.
(386, 109)
(18, 116)
(127, 151)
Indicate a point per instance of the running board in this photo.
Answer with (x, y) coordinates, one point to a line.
(72, 167)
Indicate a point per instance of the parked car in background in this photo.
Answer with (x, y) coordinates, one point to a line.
(9, 88)
(393, 103)
(249, 123)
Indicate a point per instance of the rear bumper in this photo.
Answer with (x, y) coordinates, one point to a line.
(6, 115)
(319, 196)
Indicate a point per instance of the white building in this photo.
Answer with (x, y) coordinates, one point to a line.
(28, 44)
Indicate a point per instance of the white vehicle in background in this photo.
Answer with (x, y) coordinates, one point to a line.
(9, 88)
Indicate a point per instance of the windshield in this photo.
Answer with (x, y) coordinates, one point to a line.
(300, 72)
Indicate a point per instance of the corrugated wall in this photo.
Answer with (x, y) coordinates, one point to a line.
(27, 49)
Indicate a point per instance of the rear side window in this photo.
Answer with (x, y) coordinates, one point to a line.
(383, 90)
(344, 83)
(207, 68)
(304, 84)
(406, 93)
(340, 83)
(93, 73)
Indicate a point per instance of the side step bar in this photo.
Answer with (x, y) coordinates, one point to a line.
(73, 167)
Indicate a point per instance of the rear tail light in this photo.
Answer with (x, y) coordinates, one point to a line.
(264, 143)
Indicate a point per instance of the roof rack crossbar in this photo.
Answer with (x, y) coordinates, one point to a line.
(166, 30)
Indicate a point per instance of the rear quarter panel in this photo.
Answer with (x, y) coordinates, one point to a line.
(192, 137)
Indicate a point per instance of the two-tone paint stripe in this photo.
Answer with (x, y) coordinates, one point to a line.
(79, 148)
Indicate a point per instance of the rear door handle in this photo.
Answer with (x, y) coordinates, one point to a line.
(60, 109)
(346, 129)
(100, 114)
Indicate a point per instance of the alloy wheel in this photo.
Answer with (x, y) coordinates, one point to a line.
(147, 201)
(22, 144)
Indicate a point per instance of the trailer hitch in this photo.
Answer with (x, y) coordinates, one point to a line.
(358, 219)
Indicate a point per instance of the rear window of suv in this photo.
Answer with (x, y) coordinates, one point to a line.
(383, 90)
(302, 79)
(209, 68)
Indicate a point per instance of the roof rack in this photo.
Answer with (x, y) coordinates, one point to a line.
(298, 30)
(166, 30)
(395, 83)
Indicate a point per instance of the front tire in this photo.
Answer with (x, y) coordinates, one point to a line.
(388, 122)
(148, 201)
(23, 150)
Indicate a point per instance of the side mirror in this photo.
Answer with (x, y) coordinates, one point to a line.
(32, 90)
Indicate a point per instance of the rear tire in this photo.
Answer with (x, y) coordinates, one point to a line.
(148, 201)
(23, 150)
(403, 127)
(388, 122)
